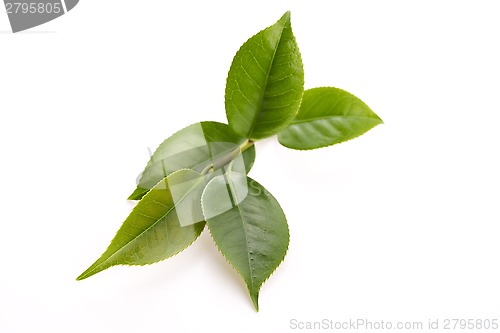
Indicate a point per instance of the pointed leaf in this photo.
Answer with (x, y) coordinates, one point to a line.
(154, 229)
(194, 147)
(265, 82)
(328, 116)
(253, 235)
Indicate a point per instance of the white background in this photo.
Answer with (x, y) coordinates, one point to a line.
(401, 224)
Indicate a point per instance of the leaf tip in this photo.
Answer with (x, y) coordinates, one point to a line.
(85, 274)
(255, 300)
(89, 272)
(286, 17)
(138, 193)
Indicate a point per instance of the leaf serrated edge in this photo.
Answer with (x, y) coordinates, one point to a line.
(381, 122)
(328, 145)
(253, 297)
(255, 300)
(155, 262)
(287, 20)
(91, 269)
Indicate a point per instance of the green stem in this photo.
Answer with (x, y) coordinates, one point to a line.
(247, 144)
(226, 159)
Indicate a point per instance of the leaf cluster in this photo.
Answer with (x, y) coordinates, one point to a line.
(199, 176)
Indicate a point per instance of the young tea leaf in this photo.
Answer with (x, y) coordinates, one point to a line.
(265, 82)
(252, 235)
(194, 147)
(200, 173)
(166, 221)
(328, 116)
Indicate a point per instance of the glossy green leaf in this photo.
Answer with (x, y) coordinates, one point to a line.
(265, 82)
(194, 147)
(200, 173)
(153, 231)
(253, 234)
(328, 116)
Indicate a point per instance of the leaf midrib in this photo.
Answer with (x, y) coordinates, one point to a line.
(243, 223)
(254, 122)
(139, 235)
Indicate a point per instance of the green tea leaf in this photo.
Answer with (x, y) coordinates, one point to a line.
(265, 82)
(194, 147)
(199, 176)
(328, 116)
(252, 233)
(166, 221)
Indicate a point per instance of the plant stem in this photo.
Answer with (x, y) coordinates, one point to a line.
(226, 159)
(247, 144)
